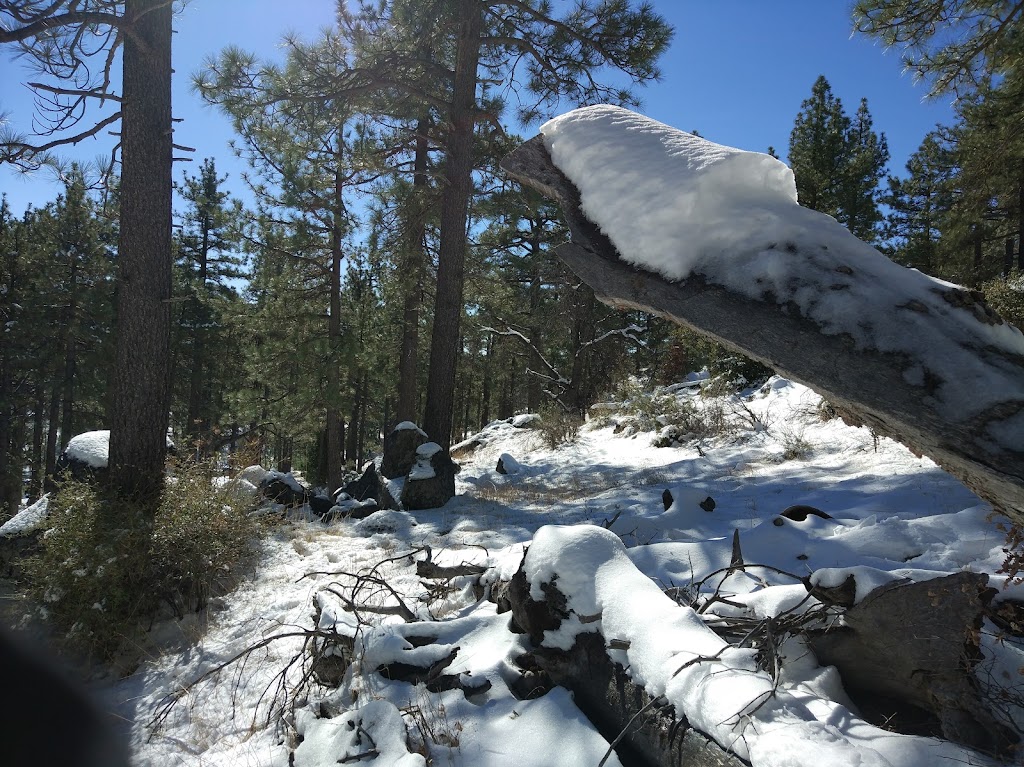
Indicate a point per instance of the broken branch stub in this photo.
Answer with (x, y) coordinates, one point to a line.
(866, 384)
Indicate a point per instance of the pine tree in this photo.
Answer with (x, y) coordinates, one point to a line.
(818, 150)
(303, 152)
(954, 45)
(12, 302)
(867, 156)
(557, 59)
(837, 162)
(917, 205)
(209, 268)
(75, 48)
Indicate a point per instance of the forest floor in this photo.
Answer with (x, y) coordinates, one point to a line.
(894, 513)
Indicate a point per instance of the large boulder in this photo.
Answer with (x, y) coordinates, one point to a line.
(431, 481)
(400, 449)
(284, 489)
(20, 537)
(367, 486)
(85, 456)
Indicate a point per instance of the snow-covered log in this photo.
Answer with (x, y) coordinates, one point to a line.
(600, 627)
(918, 643)
(713, 239)
(620, 708)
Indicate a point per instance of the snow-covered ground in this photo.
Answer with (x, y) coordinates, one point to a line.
(898, 515)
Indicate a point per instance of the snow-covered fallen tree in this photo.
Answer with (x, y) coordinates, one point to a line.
(713, 238)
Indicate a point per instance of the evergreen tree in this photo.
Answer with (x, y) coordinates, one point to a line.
(867, 156)
(837, 162)
(557, 60)
(303, 152)
(917, 205)
(75, 49)
(12, 358)
(209, 269)
(818, 149)
(956, 46)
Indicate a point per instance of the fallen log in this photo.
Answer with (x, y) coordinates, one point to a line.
(916, 643)
(896, 396)
(596, 625)
(647, 732)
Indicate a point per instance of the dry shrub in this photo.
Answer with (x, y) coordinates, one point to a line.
(559, 427)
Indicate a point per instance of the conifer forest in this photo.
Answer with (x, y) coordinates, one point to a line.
(386, 270)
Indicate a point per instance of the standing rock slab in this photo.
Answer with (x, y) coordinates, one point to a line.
(431, 481)
(400, 449)
(367, 486)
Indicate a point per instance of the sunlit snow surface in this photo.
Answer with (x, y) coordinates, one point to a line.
(894, 516)
(28, 519)
(682, 206)
(91, 448)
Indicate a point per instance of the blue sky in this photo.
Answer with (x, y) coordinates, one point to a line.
(737, 72)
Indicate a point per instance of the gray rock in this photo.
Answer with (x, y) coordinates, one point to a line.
(400, 449)
(367, 486)
(431, 481)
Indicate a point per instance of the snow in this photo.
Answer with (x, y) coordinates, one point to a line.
(866, 579)
(682, 206)
(524, 420)
(90, 448)
(27, 520)
(423, 469)
(93, 447)
(428, 450)
(409, 426)
(254, 475)
(376, 731)
(511, 465)
(287, 478)
(895, 517)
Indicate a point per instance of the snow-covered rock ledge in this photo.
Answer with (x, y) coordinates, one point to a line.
(713, 238)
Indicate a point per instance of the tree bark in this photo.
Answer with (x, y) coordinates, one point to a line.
(455, 197)
(51, 435)
(335, 450)
(867, 384)
(198, 386)
(415, 258)
(70, 348)
(35, 488)
(142, 392)
(895, 644)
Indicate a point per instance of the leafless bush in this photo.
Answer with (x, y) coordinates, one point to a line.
(558, 427)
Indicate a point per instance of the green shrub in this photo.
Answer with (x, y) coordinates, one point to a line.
(795, 446)
(102, 577)
(1006, 296)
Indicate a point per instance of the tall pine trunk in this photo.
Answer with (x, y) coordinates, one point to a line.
(10, 477)
(198, 389)
(335, 450)
(51, 435)
(414, 262)
(35, 488)
(142, 391)
(455, 197)
(67, 424)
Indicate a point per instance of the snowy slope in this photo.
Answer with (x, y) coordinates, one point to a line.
(898, 515)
